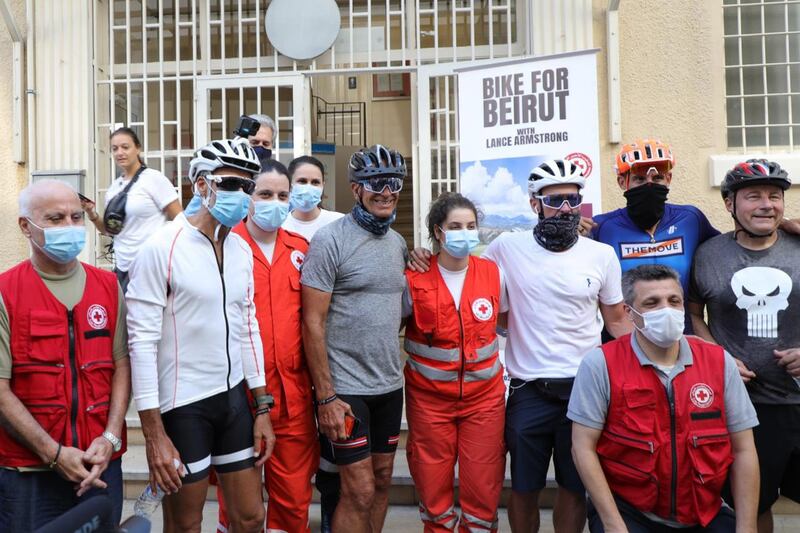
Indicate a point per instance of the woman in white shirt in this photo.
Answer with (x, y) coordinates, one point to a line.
(308, 180)
(152, 201)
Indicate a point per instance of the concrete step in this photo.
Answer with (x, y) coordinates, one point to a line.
(136, 476)
(399, 519)
(405, 518)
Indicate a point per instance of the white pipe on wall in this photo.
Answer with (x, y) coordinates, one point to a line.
(614, 97)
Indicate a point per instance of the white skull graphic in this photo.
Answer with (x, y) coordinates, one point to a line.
(762, 292)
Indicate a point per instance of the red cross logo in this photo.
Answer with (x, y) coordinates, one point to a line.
(482, 309)
(701, 395)
(298, 258)
(97, 316)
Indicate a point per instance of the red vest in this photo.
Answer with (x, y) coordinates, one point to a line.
(278, 310)
(454, 352)
(62, 361)
(668, 460)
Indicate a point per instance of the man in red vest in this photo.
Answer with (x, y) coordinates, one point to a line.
(660, 420)
(64, 369)
(278, 256)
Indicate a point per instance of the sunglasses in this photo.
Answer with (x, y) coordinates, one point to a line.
(556, 201)
(234, 183)
(376, 185)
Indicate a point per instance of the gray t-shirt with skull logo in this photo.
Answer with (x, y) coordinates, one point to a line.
(753, 303)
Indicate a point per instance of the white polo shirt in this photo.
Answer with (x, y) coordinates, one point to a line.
(553, 299)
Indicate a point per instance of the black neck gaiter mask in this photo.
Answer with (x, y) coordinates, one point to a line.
(557, 233)
(646, 204)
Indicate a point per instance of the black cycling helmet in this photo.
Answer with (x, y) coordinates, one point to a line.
(376, 161)
(754, 172)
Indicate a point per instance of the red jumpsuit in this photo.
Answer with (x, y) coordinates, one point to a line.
(288, 473)
(455, 398)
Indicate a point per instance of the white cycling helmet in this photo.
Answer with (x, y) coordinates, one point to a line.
(233, 153)
(555, 172)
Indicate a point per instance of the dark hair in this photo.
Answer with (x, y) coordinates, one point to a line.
(273, 165)
(127, 131)
(441, 207)
(305, 160)
(645, 273)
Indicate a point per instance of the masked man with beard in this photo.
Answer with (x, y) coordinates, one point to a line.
(562, 280)
(353, 281)
(648, 230)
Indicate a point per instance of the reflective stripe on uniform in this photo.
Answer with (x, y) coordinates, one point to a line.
(450, 515)
(485, 352)
(484, 524)
(446, 355)
(433, 374)
(483, 374)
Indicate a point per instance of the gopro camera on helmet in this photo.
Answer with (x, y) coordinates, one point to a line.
(246, 127)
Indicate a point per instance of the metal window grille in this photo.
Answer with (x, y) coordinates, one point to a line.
(149, 55)
(762, 73)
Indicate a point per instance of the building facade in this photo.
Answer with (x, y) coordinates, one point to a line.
(718, 79)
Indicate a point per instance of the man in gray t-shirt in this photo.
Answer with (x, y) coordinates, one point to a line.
(353, 285)
(748, 281)
(641, 404)
(363, 273)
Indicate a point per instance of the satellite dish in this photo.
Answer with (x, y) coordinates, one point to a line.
(302, 29)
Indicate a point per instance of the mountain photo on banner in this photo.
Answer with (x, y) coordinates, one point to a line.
(499, 188)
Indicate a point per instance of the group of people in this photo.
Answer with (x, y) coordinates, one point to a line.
(259, 330)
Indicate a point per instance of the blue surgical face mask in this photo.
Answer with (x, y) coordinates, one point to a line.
(193, 206)
(62, 244)
(230, 207)
(305, 197)
(270, 214)
(460, 242)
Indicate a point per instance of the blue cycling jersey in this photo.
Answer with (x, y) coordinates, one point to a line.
(680, 231)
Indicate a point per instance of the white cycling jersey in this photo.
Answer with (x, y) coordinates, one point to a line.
(192, 326)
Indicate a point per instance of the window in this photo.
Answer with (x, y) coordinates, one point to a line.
(762, 73)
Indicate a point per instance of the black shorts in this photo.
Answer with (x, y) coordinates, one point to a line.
(378, 429)
(537, 428)
(215, 431)
(777, 438)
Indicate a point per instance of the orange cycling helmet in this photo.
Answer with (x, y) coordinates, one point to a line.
(643, 151)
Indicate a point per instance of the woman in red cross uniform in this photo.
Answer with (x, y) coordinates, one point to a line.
(454, 379)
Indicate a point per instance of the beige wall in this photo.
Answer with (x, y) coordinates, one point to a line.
(671, 57)
(15, 177)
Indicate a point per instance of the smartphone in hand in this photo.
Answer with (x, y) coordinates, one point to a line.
(84, 198)
(351, 425)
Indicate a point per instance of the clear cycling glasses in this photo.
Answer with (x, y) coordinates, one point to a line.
(376, 185)
(555, 201)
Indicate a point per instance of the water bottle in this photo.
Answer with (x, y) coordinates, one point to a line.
(148, 502)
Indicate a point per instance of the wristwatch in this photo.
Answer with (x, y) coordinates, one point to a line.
(264, 400)
(116, 443)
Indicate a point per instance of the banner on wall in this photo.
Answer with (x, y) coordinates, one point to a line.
(514, 116)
